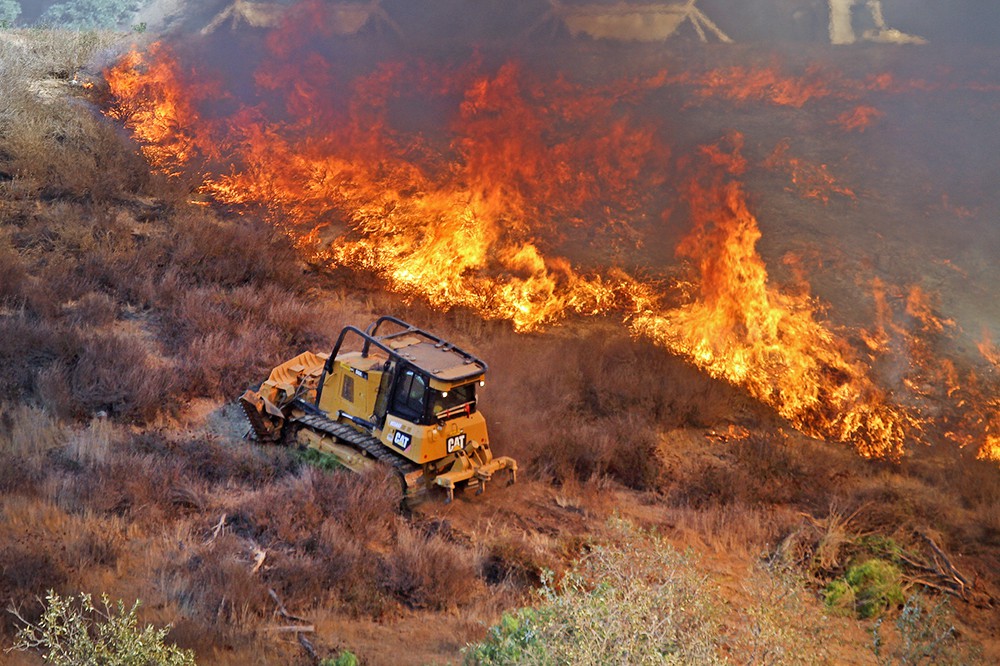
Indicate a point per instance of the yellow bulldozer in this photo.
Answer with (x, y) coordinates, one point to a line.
(403, 397)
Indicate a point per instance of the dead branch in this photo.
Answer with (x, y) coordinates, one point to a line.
(282, 611)
(942, 558)
(258, 558)
(218, 529)
(308, 647)
(289, 628)
(944, 568)
(934, 586)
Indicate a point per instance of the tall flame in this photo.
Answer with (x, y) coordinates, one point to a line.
(742, 329)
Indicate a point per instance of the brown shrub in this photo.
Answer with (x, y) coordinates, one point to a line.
(99, 547)
(27, 345)
(140, 487)
(228, 339)
(974, 483)
(772, 472)
(220, 365)
(70, 152)
(293, 510)
(732, 528)
(621, 447)
(634, 458)
(599, 406)
(28, 433)
(350, 569)
(93, 309)
(219, 460)
(13, 275)
(26, 573)
(710, 482)
(894, 502)
(341, 572)
(216, 585)
(116, 374)
(285, 513)
(366, 504)
(207, 251)
(430, 572)
(512, 558)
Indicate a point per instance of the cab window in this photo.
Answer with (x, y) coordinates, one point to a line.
(411, 391)
(459, 400)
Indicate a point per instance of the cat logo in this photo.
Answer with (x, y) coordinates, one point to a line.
(402, 440)
(456, 443)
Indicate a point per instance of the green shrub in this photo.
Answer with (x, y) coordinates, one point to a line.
(345, 658)
(637, 600)
(319, 459)
(839, 597)
(514, 640)
(876, 584)
(881, 546)
(74, 631)
(869, 587)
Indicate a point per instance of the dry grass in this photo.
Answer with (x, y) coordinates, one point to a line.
(733, 529)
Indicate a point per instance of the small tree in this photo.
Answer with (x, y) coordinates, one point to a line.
(74, 631)
(9, 11)
(924, 635)
(90, 14)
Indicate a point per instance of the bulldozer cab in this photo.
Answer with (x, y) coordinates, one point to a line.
(420, 377)
(419, 399)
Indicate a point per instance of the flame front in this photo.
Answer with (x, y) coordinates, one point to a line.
(471, 210)
(743, 330)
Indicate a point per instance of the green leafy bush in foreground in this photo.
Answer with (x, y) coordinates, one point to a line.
(74, 631)
(637, 600)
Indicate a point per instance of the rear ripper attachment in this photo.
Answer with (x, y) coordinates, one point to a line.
(406, 399)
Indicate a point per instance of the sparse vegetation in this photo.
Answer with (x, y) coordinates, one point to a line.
(924, 634)
(9, 11)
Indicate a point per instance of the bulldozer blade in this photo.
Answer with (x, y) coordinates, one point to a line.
(262, 430)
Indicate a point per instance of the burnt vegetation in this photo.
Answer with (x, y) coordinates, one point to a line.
(130, 317)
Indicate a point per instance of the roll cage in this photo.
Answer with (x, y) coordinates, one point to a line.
(430, 357)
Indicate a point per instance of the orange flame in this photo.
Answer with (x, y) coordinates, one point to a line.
(157, 106)
(743, 330)
(766, 84)
(859, 119)
(811, 180)
(472, 212)
(989, 350)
